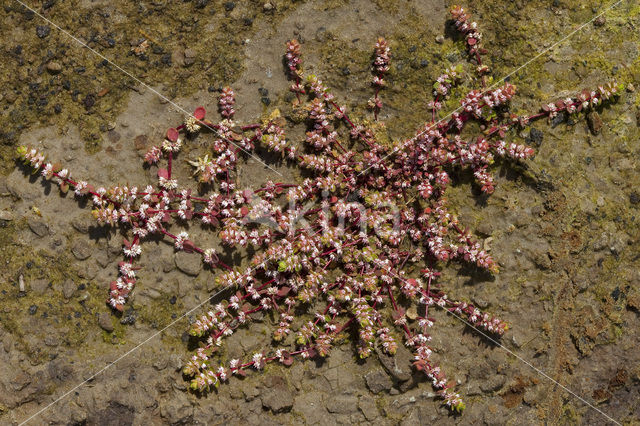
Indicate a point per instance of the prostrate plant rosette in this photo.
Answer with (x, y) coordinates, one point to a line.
(355, 244)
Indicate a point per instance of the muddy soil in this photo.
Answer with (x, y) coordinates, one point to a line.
(563, 226)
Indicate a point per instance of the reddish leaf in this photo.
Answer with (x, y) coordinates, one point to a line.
(244, 210)
(173, 134)
(288, 359)
(188, 246)
(398, 314)
(283, 291)
(471, 41)
(199, 113)
(241, 372)
(163, 173)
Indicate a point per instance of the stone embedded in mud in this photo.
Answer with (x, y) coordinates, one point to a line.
(177, 409)
(342, 404)
(140, 143)
(38, 227)
(20, 381)
(42, 31)
(367, 406)
(378, 381)
(399, 365)
(189, 263)
(39, 286)
(54, 67)
(493, 383)
(276, 396)
(6, 215)
(81, 223)
(189, 57)
(105, 322)
(595, 122)
(68, 289)
(81, 249)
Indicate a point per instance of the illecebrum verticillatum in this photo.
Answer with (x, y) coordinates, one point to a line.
(352, 247)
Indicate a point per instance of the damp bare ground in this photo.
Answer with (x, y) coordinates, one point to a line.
(564, 228)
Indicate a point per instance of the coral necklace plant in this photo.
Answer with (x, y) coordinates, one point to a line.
(349, 249)
(152, 210)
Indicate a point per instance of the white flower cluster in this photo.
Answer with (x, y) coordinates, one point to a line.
(192, 124)
(181, 238)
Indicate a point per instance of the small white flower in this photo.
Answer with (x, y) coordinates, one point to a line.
(191, 124)
(180, 240)
(133, 251)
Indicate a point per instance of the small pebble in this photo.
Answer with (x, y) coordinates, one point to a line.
(42, 31)
(189, 57)
(33, 309)
(89, 101)
(54, 67)
(440, 39)
(600, 21)
(595, 122)
(104, 321)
